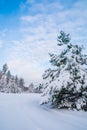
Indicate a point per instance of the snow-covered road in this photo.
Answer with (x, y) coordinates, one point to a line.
(23, 112)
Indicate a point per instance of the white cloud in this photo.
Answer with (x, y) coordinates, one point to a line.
(29, 56)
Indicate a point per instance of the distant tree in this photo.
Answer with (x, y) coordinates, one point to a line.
(5, 68)
(21, 83)
(31, 88)
(16, 80)
(1, 74)
(8, 76)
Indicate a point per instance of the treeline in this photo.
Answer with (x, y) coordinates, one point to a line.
(10, 83)
(13, 84)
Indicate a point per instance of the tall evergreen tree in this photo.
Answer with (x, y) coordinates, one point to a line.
(66, 86)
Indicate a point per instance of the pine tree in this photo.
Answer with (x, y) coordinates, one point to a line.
(16, 80)
(21, 83)
(31, 88)
(8, 76)
(65, 86)
(5, 68)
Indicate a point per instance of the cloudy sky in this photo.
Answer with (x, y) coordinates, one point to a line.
(29, 29)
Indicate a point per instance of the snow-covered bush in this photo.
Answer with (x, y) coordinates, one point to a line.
(66, 86)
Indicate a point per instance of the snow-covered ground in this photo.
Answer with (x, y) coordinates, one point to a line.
(23, 112)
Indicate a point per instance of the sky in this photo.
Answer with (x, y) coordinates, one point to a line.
(29, 30)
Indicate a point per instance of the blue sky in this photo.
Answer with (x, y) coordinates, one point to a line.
(29, 29)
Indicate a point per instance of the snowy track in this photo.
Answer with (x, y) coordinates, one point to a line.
(23, 112)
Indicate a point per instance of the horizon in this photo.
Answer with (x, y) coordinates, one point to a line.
(29, 29)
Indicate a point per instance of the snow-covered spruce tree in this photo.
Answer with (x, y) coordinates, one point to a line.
(66, 86)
